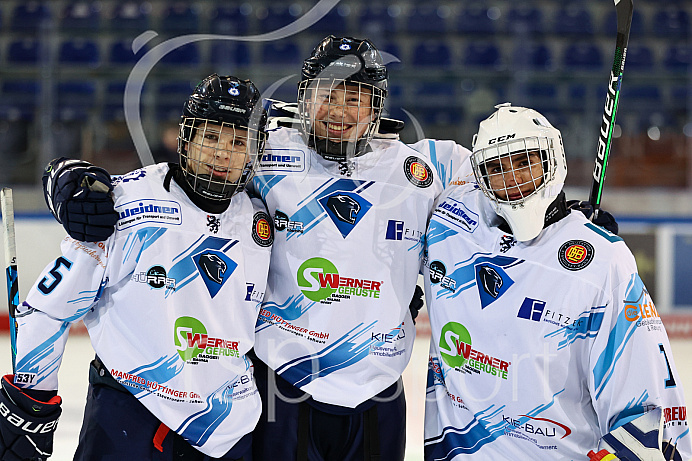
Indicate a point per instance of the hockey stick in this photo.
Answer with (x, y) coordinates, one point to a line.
(623, 10)
(7, 208)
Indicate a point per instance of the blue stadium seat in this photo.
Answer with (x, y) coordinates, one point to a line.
(525, 20)
(74, 99)
(230, 19)
(432, 54)
(640, 58)
(478, 19)
(671, 22)
(430, 19)
(229, 54)
(130, 17)
(170, 97)
(180, 18)
(114, 98)
(23, 52)
(483, 55)
(641, 97)
(20, 98)
(584, 56)
(541, 96)
(120, 53)
(334, 22)
(637, 29)
(678, 58)
(282, 53)
(81, 16)
(533, 56)
(186, 55)
(79, 52)
(277, 16)
(30, 16)
(573, 19)
(434, 93)
(376, 19)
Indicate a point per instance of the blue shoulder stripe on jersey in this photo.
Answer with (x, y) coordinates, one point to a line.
(140, 240)
(612, 238)
(262, 183)
(619, 336)
(437, 232)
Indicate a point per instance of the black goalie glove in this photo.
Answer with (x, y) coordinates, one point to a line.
(79, 196)
(604, 219)
(27, 424)
(416, 303)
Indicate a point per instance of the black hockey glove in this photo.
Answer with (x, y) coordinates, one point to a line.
(604, 219)
(79, 196)
(416, 303)
(27, 425)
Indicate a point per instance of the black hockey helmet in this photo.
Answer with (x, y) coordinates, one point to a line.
(327, 61)
(230, 103)
(337, 60)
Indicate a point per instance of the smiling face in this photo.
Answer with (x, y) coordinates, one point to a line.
(218, 153)
(516, 176)
(340, 113)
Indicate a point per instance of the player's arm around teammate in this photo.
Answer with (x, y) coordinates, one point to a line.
(170, 301)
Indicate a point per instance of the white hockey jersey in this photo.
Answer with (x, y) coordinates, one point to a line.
(538, 348)
(335, 320)
(170, 301)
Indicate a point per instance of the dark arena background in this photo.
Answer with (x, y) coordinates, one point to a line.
(98, 80)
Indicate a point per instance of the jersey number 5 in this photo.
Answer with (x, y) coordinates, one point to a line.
(57, 276)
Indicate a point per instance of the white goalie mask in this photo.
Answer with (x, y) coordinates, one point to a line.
(519, 163)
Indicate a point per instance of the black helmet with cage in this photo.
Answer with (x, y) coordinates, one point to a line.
(356, 67)
(222, 119)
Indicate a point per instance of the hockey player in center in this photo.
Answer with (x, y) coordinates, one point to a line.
(544, 338)
(170, 301)
(350, 212)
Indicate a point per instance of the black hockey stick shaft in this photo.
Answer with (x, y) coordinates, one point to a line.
(7, 208)
(623, 10)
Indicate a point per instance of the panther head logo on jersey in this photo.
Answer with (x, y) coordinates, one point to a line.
(213, 266)
(491, 280)
(345, 208)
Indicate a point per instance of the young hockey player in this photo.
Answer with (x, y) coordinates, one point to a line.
(170, 301)
(544, 338)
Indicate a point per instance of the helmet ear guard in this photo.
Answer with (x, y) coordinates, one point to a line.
(346, 64)
(221, 107)
(519, 163)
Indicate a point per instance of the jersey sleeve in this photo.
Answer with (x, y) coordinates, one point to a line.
(64, 292)
(631, 364)
(451, 160)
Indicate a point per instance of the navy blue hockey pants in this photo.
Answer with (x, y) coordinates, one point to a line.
(313, 431)
(117, 427)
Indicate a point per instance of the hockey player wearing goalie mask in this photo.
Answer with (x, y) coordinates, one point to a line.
(165, 300)
(558, 349)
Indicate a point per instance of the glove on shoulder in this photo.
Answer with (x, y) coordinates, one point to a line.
(79, 196)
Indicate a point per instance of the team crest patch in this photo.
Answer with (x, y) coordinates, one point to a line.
(262, 232)
(418, 173)
(575, 255)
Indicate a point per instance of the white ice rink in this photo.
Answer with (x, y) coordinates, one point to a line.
(74, 380)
